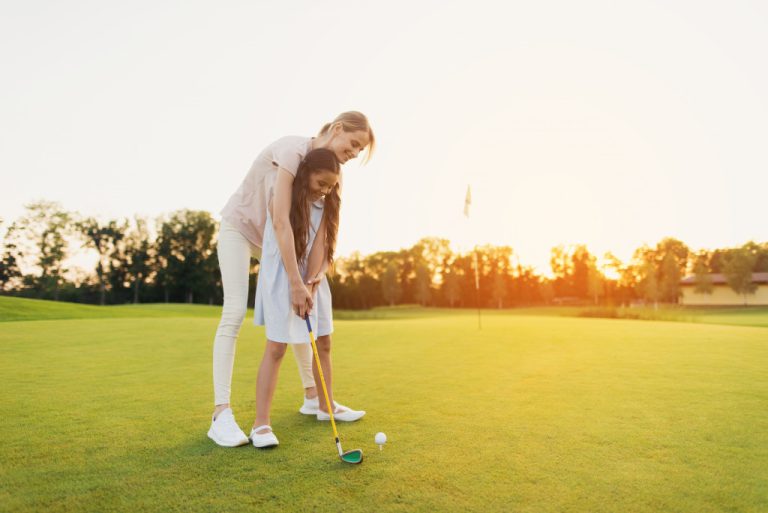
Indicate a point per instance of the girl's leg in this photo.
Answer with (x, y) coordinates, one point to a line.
(324, 351)
(266, 382)
(304, 359)
(234, 253)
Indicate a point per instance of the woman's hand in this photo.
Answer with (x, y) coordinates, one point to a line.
(301, 299)
(313, 283)
(317, 263)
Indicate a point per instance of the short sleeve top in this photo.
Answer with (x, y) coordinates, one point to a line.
(246, 210)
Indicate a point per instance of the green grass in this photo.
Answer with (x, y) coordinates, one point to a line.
(532, 413)
(18, 309)
(750, 316)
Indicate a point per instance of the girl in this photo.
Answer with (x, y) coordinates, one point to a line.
(314, 219)
(240, 238)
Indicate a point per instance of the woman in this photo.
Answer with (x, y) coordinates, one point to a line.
(240, 238)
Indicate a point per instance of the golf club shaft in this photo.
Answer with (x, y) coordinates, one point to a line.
(322, 382)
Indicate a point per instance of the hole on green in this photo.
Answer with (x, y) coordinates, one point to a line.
(355, 456)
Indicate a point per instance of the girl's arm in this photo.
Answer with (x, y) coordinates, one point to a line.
(280, 208)
(317, 262)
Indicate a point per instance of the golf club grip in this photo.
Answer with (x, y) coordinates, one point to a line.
(309, 326)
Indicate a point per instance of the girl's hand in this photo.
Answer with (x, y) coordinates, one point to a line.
(301, 300)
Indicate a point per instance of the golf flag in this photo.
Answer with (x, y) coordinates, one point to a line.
(467, 202)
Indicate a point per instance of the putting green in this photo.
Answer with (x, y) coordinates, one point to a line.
(531, 414)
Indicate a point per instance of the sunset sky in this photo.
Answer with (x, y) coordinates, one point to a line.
(610, 124)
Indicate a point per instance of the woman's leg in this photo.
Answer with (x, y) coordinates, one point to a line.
(266, 382)
(324, 351)
(304, 358)
(234, 253)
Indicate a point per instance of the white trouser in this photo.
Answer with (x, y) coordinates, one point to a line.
(235, 252)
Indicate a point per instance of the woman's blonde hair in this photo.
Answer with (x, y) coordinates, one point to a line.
(354, 121)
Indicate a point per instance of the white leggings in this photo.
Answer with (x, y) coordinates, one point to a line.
(235, 252)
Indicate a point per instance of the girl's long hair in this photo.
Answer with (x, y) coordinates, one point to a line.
(316, 161)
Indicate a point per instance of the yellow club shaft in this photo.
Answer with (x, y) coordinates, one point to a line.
(322, 382)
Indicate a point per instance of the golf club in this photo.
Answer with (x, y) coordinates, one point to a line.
(355, 455)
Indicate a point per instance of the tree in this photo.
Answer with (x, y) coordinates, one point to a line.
(672, 258)
(499, 290)
(560, 261)
(546, 291)
(368, 276)
(649, 284)
(677, 248)
(433, 252)
(571, 268)
(47, 225)
(761, 256)
(657, 271)
(186, 254)
(497, 273)
(423, 283)
(9, 263)
(356, 284)
(614, 289)
(104, 238)
(738, 272)
(583, 266)
(531, 288)
(464, 269)
(451, 287)
(702, 277)
(390, 284)
(562, 271)
(669, 287)
(369, 290)
(138, 254)
(595, 283)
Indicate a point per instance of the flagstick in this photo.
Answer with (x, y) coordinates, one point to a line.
(467, 203)
(477, 292)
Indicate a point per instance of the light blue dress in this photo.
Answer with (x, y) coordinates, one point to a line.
(272, 307)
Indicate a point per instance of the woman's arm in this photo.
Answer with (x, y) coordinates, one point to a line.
(281, 209)
(317, 262)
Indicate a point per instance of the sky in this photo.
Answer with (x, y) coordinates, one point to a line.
(610, 124)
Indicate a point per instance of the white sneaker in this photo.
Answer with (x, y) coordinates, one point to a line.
(341, 413)
(267, 439)
(312, 406)
(225, 431)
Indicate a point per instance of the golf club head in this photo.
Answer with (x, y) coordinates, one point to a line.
(354, 456)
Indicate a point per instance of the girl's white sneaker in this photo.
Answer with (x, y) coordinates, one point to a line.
(225, 431)
(267, 439)
(341, 413)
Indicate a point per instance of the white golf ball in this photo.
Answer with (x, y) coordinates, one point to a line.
(380, 439)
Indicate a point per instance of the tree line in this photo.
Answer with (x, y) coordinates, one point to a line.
(177, 263)
(173, 259)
